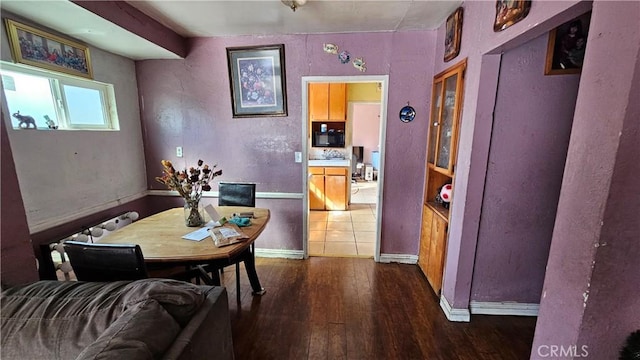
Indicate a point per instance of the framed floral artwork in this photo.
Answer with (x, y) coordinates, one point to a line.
(566, 46)
(453, 35)
(257, 80)
(35, 47)
(509, 12)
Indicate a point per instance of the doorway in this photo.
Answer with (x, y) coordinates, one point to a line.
(338, 232)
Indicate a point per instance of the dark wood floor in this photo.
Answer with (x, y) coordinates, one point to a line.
(349, 308)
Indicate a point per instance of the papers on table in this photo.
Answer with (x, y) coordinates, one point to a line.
(197, 235)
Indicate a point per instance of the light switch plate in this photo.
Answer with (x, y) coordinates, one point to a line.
(179, 151)
(298, 156)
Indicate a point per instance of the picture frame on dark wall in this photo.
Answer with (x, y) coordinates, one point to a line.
(453, 35)
(34, 47)
(509, 12)
(257, 81)
(566, 46)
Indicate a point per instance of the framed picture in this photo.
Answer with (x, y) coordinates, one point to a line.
(566, 46)
(257, 79)
(453, 35)
(37, 48)
(509, 12)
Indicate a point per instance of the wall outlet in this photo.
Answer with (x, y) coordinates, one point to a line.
(298, 155)
(179, 151)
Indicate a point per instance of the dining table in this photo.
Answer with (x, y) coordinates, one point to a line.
(160, 236)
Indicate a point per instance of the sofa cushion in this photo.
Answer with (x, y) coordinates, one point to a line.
(142, 332)
(51, 319)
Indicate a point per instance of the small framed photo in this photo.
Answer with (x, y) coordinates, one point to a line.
(453, 35)
(257, 80)
(509, 12)
(566, 46)
(35, 47)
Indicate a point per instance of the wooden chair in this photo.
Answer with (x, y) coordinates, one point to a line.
(237, 194)
(105, 262)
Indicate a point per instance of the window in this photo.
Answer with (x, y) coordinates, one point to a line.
(48, 100)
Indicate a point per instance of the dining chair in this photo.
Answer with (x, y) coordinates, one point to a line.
(105, 262)
(237, 194)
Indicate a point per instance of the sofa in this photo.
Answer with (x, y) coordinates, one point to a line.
(143, 319)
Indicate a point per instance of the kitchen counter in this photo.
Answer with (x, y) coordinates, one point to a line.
(332, 162)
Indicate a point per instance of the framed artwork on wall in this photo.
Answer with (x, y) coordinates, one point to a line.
(509, 12)
(453, 35)
(566, 46)
(257, 80)
(37, 48)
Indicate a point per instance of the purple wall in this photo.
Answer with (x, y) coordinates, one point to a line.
(527, 154)
(590, 295)
(18, 261)
(187, 103)
(481, 46)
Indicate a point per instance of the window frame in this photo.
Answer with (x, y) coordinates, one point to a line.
(57, 81)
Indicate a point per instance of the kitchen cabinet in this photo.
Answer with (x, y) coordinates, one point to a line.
(328, 188)
(327, 102)
(442, 143)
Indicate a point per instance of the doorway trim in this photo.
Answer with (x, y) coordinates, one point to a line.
(306, 80)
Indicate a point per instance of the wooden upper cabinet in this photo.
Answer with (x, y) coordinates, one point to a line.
(446, 102)
(327, 102)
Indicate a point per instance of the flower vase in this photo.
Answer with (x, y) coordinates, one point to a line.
(193, 213)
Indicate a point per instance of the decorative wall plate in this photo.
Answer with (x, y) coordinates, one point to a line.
(358, 63)
(330, 48)
(407, 114)
(344, 57)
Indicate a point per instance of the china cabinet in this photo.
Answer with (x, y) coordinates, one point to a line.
(442, 143)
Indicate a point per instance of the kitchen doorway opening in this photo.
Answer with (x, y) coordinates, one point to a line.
(352, 228)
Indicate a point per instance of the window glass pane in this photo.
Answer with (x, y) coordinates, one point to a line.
(84, 106)
(28, 95)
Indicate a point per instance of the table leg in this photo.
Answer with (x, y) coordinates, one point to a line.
(250, 266)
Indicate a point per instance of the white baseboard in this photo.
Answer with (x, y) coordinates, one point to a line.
(503, 308)
(399, 258)
(279, 253)
(457, 315)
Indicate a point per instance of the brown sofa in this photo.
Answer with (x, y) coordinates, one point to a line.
(143, 319)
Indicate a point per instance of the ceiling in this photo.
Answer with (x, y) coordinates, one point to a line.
(232, 17)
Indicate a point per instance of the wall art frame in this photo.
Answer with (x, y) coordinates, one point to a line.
(34, 47)
(566, 46)
(509, 12)
(257, 81)
(453, 35)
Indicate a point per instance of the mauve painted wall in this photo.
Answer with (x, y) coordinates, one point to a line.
(478, 39)
(18, 263)
(187, 103)
(590, 294)
(531, 130)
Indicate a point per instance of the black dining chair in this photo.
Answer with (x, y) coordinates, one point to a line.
(237, 194)
(105, 262)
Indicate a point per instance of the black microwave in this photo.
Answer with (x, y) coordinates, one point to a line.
(331, 138)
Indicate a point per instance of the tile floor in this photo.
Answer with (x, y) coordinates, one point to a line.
(343, 233)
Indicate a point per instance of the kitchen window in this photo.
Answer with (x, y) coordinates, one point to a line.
(47, 100)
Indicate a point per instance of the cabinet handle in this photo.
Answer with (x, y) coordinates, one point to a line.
(436, 123)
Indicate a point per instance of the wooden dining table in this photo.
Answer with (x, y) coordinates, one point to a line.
(160, 238)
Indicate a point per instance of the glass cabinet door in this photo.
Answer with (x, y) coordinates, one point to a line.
(435, 121)
(447, 123)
